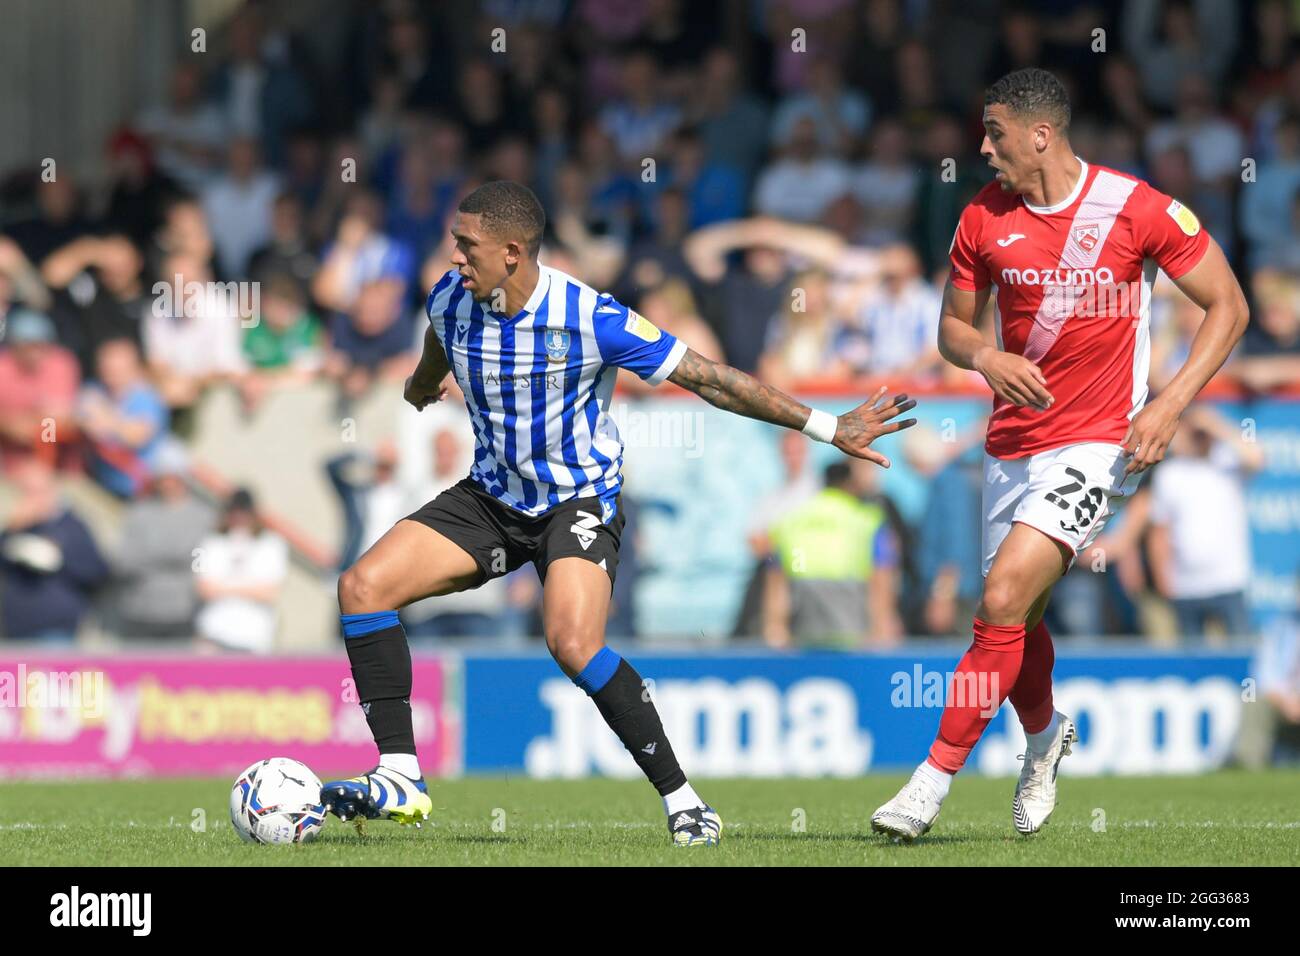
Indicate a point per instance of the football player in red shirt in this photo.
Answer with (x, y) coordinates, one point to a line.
(1072, 250)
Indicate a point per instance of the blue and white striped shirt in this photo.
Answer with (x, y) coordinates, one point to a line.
(538, 385)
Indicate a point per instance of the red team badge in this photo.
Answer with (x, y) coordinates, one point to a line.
(1087, 236)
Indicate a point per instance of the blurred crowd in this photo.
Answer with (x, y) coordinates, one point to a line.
(774, 182)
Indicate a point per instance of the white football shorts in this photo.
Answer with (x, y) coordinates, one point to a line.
(1067, 493)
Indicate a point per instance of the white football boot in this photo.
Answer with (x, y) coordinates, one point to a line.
(911, 813)
(1035, 797)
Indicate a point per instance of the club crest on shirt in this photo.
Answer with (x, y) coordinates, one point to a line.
(1087, 236)
(1185, 218)
(557, 345)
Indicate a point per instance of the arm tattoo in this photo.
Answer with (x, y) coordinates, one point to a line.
(732, 390)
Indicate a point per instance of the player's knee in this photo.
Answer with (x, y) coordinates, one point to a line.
(1002, 602)
(570, 644)
(360, 591)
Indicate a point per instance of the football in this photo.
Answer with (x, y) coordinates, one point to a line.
(277, 801)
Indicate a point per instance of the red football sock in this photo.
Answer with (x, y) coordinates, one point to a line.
(1032, 695)
(980, 684)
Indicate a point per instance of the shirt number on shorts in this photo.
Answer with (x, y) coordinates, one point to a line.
(1085, 506)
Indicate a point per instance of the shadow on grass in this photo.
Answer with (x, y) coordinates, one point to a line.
(850, 837)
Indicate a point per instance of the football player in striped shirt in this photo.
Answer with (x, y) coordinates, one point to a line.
(536, 353)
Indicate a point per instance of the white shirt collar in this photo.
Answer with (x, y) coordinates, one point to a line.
(539, 292)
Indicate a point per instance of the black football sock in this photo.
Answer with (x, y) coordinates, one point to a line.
(381, 668)
(616, 688)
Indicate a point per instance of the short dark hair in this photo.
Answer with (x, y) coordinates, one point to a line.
(838, 474)
(510, 210)
(1034, 94)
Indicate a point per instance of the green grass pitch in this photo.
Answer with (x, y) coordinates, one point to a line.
(1222, 819)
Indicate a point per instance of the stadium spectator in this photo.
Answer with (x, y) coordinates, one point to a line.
(1270, 350)
(184, 231)
(154, 562)
(19, 279)
(1200, 539)
(361, 253)
(241, 568)
(596, 225)
(741, 301)
(285, 345)
(551, 133)
(714, 192)
(825, 27)
(192, 331)
(640, 122)
(802, 339)
(50, 566)
(137, 191)
(885, 185)
(304, 173)
(371, 340)
(657, 257)
(798, 484)
(422, 195)
(840, 115)
(372, 498)
(940, 199)
(1267, 206)
(1171, 41)
(948, 539)
(895, 331)
(1270, 721)
(38, 391)
(804, 180)
(408, 56)
(732, 121)
(99, 294)
(187, 133)
(836, 582)
(58, 221)
(289, 250)
(484, 113)
(1174, 321)
(123, 418)
(260, 94)
(238, 207)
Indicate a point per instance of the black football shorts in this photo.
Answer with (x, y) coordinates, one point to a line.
(501, 539)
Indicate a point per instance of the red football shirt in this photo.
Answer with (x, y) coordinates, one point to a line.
(1073, 294)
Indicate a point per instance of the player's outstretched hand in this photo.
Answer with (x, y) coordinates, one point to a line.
(419, 394)
(1149, 435)
(859, 428)
(1014, 378)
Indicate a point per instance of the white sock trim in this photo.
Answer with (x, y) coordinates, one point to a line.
(1042, 740)
(683, 798)
(938, 779)
(408, 765)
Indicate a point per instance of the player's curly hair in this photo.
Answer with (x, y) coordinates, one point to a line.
(510, 210)
(1032, 94)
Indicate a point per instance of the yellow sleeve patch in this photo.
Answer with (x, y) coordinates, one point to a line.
(641, 327)
(1185, 218)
